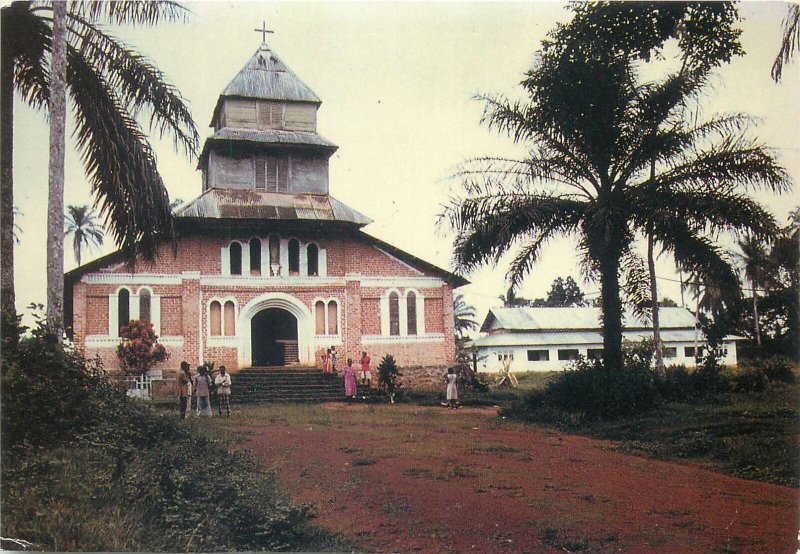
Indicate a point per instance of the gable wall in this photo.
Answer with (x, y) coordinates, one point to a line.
(184, 301)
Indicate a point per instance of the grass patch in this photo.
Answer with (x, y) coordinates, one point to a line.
(365, 461)
(395, 508)
(752, 435)
(84, 468)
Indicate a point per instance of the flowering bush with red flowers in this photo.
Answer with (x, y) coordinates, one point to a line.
(139, 350)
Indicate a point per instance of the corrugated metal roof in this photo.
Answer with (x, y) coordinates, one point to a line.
(265, 76)
(591, 338)
(526, 318)
(273, 136)
(253, 204)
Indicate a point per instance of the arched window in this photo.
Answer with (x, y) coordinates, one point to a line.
(313, 259)
(255, 257)
(394, 314)
(411, 313)
(319, 315)
(333, 318)
(236, 258)
(144, 305)
(230, 319)
(123, 309)
(274, 255)
(215, 317)
(294, 257)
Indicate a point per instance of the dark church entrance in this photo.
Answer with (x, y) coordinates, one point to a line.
(274, 338)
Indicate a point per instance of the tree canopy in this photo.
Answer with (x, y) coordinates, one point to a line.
(610, 155)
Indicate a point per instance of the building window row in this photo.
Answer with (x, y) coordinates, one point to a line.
(273, 257)
(326, 316)
(222, 318)
(402, 314)
(125, 306)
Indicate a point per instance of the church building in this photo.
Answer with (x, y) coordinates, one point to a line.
(270, 270)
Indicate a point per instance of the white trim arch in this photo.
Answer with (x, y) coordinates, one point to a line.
(222, 301)
(155, 307)
(420, 311)
(401, 303)
(113, 309)
(326, 302)
(301, 312)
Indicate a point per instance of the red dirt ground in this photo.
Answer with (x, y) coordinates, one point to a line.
(406, 479)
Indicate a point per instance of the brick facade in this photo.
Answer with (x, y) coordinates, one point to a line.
(358, 277)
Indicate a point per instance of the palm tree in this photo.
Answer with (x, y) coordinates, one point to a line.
(109, 85)
(464, 314)
(789, 41)
(587, 172)
(82, 224)
(755, 261)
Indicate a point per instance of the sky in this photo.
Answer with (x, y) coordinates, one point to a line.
(398, 82)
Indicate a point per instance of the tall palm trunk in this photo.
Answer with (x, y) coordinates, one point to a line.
(651, 265)
(612, 312)
(755, 313)
(7, 299)
(55, 201)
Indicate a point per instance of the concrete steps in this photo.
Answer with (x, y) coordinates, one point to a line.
(292, 384)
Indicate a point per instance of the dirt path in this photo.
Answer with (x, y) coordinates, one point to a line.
(407, 479)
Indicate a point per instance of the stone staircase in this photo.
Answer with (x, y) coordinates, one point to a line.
(292, 384)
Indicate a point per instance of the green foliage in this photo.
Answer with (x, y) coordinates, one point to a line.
(777, 368)
(139, 350)
(85, 468)
(388, 373)
(563, 293)
(591, 392)
(749, 379)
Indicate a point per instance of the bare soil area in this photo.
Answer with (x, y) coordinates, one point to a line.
(410, 479)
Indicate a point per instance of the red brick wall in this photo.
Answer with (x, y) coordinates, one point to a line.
(370, 316)
(183, 307)
(171, 316)
(96, 315)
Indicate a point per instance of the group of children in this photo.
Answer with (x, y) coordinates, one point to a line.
(349, 372)
(198, 385)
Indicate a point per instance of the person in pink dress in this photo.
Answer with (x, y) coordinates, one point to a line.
(349, 373)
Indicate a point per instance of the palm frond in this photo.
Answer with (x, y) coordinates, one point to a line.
(138, 83)
(487, 226)
(713, 210)
(126, 12)
(636, 285)
(120, 164)
(789, 41)
(734, 162)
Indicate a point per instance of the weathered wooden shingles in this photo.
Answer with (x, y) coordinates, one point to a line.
(266, 76)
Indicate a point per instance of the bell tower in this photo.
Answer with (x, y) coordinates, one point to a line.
(265, 132)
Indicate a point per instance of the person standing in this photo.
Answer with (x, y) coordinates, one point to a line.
(183, 386)
(349, 373)
(201, 387)
(326, 362)
(333, 359)
(452, 391)
(223, 383)
(366, 374)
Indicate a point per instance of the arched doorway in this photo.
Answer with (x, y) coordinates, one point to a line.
(273, 338)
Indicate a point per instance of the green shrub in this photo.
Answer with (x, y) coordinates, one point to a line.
(388, 372)
(750, 379)
(777, 368)
(81, 461)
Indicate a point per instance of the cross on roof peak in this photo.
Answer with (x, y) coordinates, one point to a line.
(263, 30)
